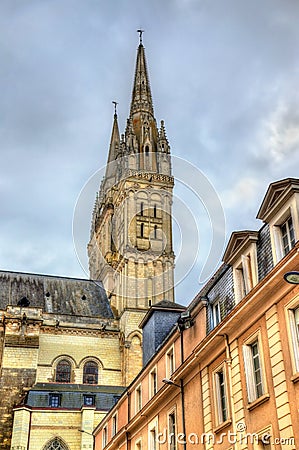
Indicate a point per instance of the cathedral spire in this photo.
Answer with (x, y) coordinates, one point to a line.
(141, 95)
(115, 140)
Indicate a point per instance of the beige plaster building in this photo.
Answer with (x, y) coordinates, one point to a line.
(225, 373)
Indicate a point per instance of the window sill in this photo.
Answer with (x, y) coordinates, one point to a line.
(222, 426)
(295, 378)
(258, 402)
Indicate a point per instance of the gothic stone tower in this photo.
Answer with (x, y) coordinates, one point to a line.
(130, 248)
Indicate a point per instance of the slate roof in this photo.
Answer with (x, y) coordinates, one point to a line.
(57, 295)
(163, 305)
(72, 395)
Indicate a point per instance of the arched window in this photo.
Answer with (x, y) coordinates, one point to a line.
(63, 372)
(142, 230)
(155, 232)
(146, 150)
(90, 373)
(56, 444)
(155, 210)
(141, 208)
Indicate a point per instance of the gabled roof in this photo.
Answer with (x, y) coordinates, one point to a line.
(237, 243)
(277, 194)
(57, 295)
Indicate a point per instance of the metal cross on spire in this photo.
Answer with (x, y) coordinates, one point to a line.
(115, 107)
(140, 35)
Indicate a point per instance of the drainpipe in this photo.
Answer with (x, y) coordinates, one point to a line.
(183, 413)
(182, 346)
(29, 429)
(229, 373)
(128, 441)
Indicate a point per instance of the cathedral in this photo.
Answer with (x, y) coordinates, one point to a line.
(69, 347)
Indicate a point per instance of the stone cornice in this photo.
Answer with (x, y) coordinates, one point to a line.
(79, 332)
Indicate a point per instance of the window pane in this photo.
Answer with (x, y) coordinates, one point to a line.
(171, 432)
(287, 235)
(54, 400)
(257, 372)
(90, 373)
(222, 396)
(291, 232)
(89, 400)
(216, 313)
(63, 372)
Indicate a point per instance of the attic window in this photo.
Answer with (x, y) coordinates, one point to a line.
(284, 234)
(24, 302)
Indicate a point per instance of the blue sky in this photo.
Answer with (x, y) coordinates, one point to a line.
(224, 77)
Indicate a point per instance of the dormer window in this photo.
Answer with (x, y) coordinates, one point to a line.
(241, 254)
(216, 313)
(279, 210)
(283, 234)
(244, 276)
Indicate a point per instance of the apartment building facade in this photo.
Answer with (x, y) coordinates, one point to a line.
(226, 374)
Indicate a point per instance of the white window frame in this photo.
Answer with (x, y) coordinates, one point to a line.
(292, 318)
(114, 425)
(105, 436)
(243, 276)
(218, 394)
(138, 398)
(248, 357)
(216, 308)
(153, 382)
(170, 362)
(290, 235)
(275, 229)
(172, 445)
(153, 431)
